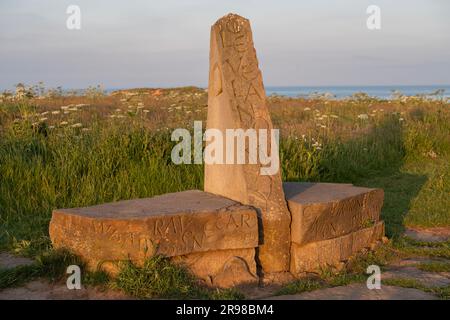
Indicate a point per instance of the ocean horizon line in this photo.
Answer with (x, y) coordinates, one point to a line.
(330, 91)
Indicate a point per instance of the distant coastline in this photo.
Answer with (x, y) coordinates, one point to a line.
(330, 92)
(339, 92)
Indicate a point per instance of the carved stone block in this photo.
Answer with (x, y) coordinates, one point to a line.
(312, 256)
(236, 100)
(175, 224)
(323, 211)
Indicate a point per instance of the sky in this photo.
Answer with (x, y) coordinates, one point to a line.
(149, 43)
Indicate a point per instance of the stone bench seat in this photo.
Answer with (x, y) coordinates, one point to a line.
(205, 231)
(334, 252)
(322, 211)
(331, 223)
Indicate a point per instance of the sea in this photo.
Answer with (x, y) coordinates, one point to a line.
(339, 92)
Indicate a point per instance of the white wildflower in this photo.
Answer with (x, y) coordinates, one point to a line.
(363, 116)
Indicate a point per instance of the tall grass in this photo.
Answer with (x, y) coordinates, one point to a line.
(46, 165)
(43, 170)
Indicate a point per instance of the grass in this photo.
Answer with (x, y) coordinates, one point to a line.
(435, 266)
(419, 248)
(72, 151)
(157, 278)
(355, 269)
(353, 272)
(160, 278)
(441, 292)
(299, 286)
(18, 276)
(405, 283)
(51, 265)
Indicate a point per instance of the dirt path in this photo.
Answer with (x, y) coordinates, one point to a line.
(43, 290)
(359, 291)
(8, 261)
(428, 234)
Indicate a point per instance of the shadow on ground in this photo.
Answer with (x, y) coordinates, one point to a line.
(375, 160)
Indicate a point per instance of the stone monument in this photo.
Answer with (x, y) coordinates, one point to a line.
(246, 226)
(236, 100)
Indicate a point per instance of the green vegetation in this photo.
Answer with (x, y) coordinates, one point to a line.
(354, 271)
(71, 151)
(435, 266)
(441, 292)
(405, 283)
(303, 285)
(51, 265)
(160, 278)
(18, 276)
(410, 247)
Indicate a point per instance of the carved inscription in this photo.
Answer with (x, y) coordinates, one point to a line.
(335, 219)
(170, 235)
(241, 103)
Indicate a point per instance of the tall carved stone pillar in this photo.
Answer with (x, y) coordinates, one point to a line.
(237, 101)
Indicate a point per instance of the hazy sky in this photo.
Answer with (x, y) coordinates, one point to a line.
(166, 42)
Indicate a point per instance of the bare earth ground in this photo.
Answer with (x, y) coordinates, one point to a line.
(428, 234)
(42, 290)
(402, 269)
(359, 291)
(8, 261)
